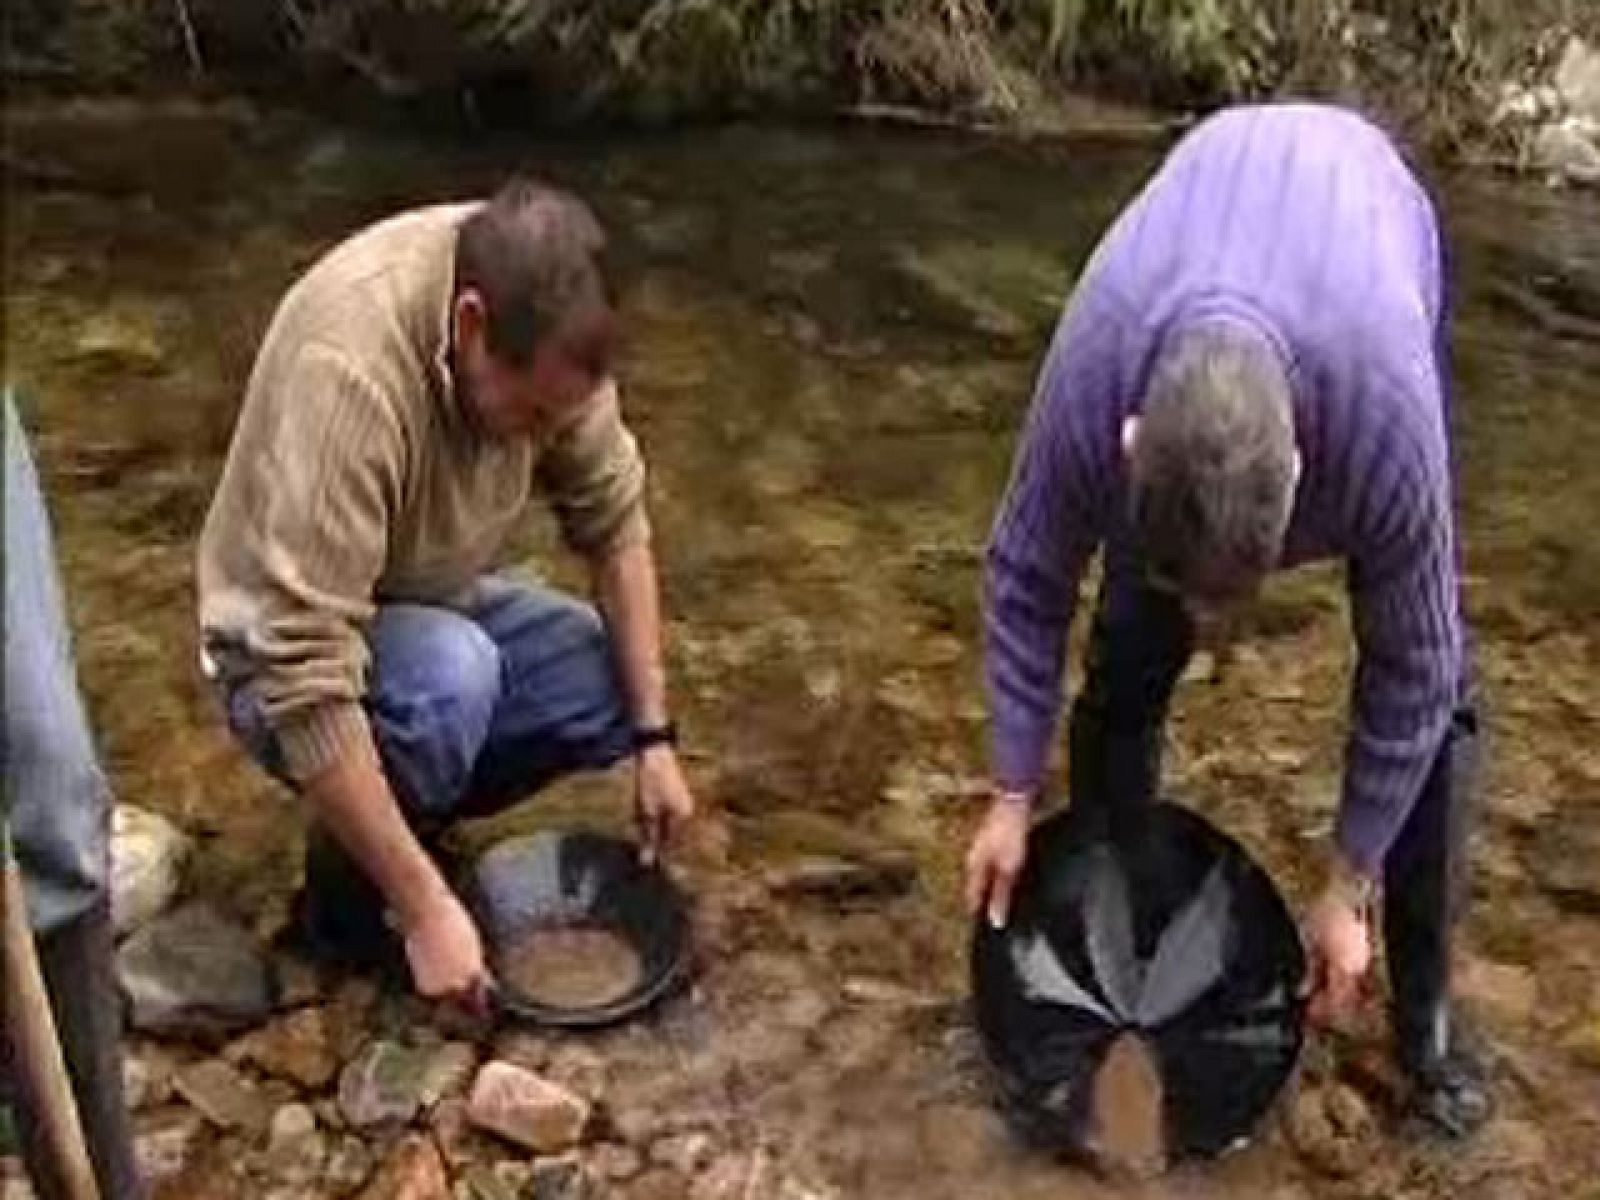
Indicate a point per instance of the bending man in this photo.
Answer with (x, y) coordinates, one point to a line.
(414, 390)
(1251, 375)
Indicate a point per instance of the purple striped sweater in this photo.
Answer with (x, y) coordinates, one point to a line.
(1301, 223)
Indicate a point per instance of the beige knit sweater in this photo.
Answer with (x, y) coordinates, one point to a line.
(355, 479)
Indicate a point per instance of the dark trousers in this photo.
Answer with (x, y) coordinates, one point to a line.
(76, 963)
(1139, 645)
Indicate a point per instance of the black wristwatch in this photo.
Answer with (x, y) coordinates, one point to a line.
(645, 736)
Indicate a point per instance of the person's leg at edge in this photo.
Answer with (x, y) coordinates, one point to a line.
(1426, 876)
(58, 815)
(1426, 883)
(75, 960)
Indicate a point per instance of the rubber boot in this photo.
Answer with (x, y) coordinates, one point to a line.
(1138, 647)
(338, 918)
(1425, 886)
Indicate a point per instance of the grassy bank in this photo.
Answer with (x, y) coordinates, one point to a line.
(1433, 67)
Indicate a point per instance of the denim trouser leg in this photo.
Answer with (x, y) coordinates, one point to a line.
(475, 709)
(472, 709)
(57, 807)
(561, 705)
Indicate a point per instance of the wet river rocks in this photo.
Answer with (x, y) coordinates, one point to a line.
(827, 386)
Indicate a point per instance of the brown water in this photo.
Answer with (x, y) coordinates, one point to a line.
(576, 968)
(832, 342)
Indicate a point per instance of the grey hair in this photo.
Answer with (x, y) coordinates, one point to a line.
(1214, 463)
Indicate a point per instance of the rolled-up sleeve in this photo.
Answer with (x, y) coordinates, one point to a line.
(594, 478)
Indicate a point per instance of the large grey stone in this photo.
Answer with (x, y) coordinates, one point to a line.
(193, 972)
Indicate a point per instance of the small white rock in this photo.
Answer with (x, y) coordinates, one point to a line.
(147, 857)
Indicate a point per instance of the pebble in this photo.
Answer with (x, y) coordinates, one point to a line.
(452, 1133)
(483, 1182)
(411, 1172)
(576, 1067)
(299, 982)
(382, 1085)
(616, 1162)
(731, 1177)
(560, 1177)
(297, 1047)
(164, 1144)
(223, 1096)
(146, 1078)
(446, 1072)
(523, 1049)
(296, 1148)
(526, 1108)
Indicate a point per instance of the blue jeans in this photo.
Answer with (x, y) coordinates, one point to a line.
(473, 708)
(57, 803)
(57, 810)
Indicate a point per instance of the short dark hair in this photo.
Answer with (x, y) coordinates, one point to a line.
(536, 255)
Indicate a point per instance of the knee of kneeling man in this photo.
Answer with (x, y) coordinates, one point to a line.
(440, 659)
(466, 668)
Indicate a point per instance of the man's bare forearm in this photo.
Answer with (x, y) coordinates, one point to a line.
(625, 583)
(354, 800)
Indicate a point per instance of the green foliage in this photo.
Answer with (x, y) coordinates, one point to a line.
(1432, 63)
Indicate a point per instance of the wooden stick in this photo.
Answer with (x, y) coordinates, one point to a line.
(31, 1031)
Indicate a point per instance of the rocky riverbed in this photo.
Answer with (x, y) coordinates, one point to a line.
(833, 340)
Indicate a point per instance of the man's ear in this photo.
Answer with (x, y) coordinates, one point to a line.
(470, 317)
(1130, 438)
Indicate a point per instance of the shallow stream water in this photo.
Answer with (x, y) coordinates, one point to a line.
(832, 335)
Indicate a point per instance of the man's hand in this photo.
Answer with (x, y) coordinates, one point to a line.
(1339, 945)
(446, 955)
(662, 800)
(995, 859)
